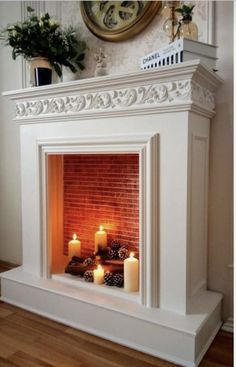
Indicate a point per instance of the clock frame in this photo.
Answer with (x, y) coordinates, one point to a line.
(128, 30)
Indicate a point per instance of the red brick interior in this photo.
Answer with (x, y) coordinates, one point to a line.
(101, 189)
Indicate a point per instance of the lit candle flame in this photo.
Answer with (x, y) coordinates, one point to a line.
(99, 267)
(101, 228)
(131, 254)
(74, 236)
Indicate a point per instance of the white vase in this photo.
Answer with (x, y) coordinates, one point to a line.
(36, 62)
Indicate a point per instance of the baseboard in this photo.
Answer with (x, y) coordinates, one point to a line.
(228, 325)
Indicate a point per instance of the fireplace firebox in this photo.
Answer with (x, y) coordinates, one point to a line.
(87, 192)
(129, 153)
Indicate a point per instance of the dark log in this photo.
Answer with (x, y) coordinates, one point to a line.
(79, 269)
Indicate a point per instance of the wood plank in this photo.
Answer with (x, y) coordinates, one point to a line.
(7, 349)
(32, 345)
(25, 360)
(29, 340)
(4, 266)
(5, 363)
(4, 312)
(221, 350)
(154, 361)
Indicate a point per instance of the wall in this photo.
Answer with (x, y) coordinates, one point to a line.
(124, 57)
(220, 257)
(101, 189)
(10, 211)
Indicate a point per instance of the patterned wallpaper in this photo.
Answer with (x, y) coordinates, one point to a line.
(124, 56)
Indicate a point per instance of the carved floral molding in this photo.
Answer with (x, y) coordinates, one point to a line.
(150, 95)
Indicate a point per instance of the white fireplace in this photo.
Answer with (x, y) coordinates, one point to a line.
(163, 117)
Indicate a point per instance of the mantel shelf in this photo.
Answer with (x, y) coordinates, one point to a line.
(187, 86)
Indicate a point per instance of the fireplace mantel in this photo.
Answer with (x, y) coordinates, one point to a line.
(185, 87)
(164, 116)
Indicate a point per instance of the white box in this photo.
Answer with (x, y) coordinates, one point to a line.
(180, 51)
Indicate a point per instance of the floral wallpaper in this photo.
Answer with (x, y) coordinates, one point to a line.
(124, 56)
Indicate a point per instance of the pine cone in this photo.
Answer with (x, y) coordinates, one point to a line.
(88, 276)
(123, 253)
(113, 254)
(108, 278)
(89, 261)
(118, 280)
(115, 245)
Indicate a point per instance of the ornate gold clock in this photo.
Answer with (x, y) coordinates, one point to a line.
(117, 20)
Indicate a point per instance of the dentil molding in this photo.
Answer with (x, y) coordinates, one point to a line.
(185, 86)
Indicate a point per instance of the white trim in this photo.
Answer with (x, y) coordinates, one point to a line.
(228, 325)
(147, 148)
(202, 283)
(188, 70)
(185, 87)
(210, 38)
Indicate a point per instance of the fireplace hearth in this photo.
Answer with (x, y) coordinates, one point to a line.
(130, 153)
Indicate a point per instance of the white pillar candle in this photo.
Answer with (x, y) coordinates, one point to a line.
(131, 274)
(100, 239)
(74, 247)
(98, 275)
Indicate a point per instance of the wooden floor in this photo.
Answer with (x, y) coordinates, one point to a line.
(29, 340)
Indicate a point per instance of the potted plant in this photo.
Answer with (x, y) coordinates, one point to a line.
(43, 39)
(187, 28)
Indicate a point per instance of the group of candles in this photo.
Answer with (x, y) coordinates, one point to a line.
(131, 264)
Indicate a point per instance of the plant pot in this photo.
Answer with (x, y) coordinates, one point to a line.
(40, 71)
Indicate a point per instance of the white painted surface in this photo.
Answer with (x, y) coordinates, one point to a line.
(173, 303)
(220, 215)
(139, 132)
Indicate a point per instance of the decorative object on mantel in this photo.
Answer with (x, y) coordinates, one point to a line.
(43, 37)
(183, 27)
(180, 51)
(118, 20)
(101, 64)
(187, 29)
(171, 24)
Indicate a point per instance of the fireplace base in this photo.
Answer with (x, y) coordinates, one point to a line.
(182, 339)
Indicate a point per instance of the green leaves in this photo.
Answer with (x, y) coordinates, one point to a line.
(29, 9)
(185, 10)
(43, 36)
